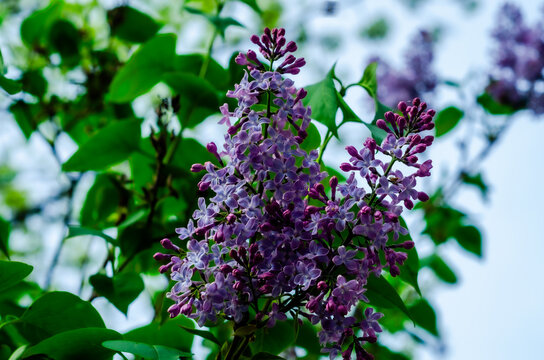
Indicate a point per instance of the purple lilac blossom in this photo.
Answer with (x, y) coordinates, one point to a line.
(415, 79)
(517, 79)
(267, 228)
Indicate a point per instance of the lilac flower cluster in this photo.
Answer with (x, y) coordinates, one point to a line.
(415, 79)
(270, 230)
(518, 77)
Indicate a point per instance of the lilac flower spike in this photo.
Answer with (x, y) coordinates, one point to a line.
(270, 230)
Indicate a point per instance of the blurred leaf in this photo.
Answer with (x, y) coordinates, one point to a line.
(368, 81)
(36, 26)
(26, 116)
(323, 101)
(442, 222)
(447, 119)
(410, 270)
(476, 180)
(307, 338)
(202, 333)
(383, 353)
(425, 316)
(57, 312)
(274, 340)
(3, 67)
(377, 30)
(198, 90)
(109, 146)
(5, 230)
(74, 231)
(168, 334)
(216, 75)
(154, 352)
(101, 203)
(470, 238)
(381, 293)
(34, 83)
(265, 356)
(220, 23)
(10, 86)
(81, 344)
(12, 272)
(253, 4)
(121, 290)
(144, 69)
(131, 25)
(493, 107)
(65, 39)
(442, 270)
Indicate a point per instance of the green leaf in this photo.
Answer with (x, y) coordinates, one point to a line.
(202, 333)
(368, 81)
(470, 238)
(493, 107)
(74, 231)
(220, 23)
(12, 272)
(350, 116)
(121, 290)
(167, 334)
(10, 86)
(101, 203)
(3, 67)
(109, 146)
(144, 69)
(57, 312)
(154, 352)
(476, 180)
(323, 101)
(265, 356)
(34, 83)
(35, 27)
(131, 25)
(447, 119)
(410, 270)
(64, 38)
(81, 344)
(216, 75)
(307, 338)
(198, 90)
(425, 316)
(442, 222)
(313, 140)
(381, 293)
(274, 340)
(442, 269)
(26, 116)
(5, 230)
(253, 4)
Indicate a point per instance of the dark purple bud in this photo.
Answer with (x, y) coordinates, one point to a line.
(382, 125)
(265, 227)
(238, 274)
(252, 55)
(422, 196)
(420, 148)
(370, 144)
(167, 244)
(234, 254)
(353, 151)
(265, 289)
(416, 101)
(242, 252)
(253, 248)
(408, 245)
(255, 39)
(241, 59)
(186, 309)
(291, 46)
(203, 185)
(162, 257)
(412, 159)
(391, 217)
(416, 139)
(342, 310)
(174, 310)
(331, 306)
(165, 268)
(431, 112)
(394, 270)
(320, 188)
(312, 305)
(267, 275)
(303, 134)
(219, 236)
(322, 286)
(225, 269)
(428, 140)
(378, 215)
(347, 167)
(390, 117)
(238, 286)
(333, 182)
(402, 106)
(197, 168)
(231, 218)
(409, 204)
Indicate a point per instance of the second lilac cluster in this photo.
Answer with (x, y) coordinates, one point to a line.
(517, 79)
